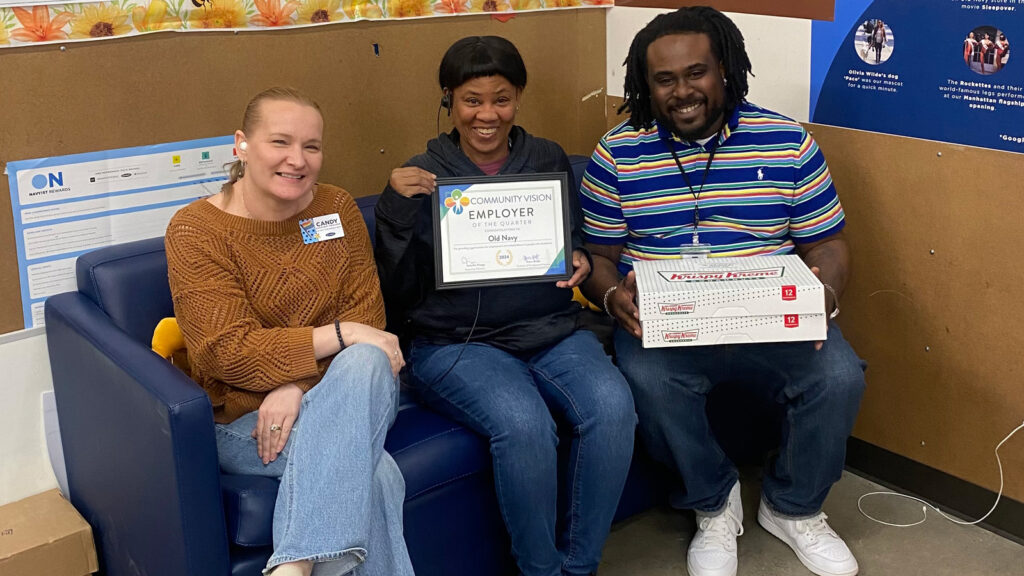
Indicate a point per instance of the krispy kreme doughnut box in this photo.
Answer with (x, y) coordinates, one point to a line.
(704, 301)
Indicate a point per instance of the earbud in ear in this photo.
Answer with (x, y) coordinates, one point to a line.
(243, 146)
(446, 101)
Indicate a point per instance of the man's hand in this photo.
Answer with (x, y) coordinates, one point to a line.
(828, 299)
(582, 266)
(621, 302)
(277, 414)
(829, 260)
(622, 305)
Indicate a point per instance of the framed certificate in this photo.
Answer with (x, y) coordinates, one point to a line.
(506, 229)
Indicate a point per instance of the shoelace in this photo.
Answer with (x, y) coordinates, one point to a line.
(815, 528)
(718, 531)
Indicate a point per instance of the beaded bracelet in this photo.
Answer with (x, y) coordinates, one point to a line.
(337, 331)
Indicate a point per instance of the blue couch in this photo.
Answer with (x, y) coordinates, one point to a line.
(139, 446)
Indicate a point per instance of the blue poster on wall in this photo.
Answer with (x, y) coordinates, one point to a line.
(933, 69)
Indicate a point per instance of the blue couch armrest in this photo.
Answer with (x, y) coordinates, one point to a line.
(140, 449)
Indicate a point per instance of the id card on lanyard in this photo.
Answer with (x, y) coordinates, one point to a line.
(696, 248)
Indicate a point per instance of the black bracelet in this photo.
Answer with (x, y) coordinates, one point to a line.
(337, 331)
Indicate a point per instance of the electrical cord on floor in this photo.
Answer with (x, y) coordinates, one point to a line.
(464, 344)
(924, 509)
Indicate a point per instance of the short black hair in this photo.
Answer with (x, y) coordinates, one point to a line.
(726, 44)
(476, 56)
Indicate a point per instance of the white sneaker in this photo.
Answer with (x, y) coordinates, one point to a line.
(712, 551)
(817, 546)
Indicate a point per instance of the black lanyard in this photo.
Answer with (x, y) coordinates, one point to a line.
(704, 178)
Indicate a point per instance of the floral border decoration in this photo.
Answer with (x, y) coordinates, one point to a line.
(52, 24)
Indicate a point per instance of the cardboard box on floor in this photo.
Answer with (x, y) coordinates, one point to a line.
(43, 535)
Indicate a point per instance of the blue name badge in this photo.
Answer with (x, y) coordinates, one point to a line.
(321, 228)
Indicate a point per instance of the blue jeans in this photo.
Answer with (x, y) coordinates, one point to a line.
(518, 403)
(341, 495)
(820, 390)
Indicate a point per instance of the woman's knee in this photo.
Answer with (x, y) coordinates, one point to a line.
(361, 370)
(611, 407)
(524, 434)
(388, 476)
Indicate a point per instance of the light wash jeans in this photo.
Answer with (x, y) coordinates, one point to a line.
(518, 403)
(820, 389)
(341, 495)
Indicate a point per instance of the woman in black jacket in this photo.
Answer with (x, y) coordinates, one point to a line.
(508, 361)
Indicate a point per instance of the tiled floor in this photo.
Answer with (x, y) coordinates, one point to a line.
(654, 543)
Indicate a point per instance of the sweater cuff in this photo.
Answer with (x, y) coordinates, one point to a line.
(299, 349)
(397, 208)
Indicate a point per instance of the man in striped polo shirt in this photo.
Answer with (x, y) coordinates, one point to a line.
(696, 164)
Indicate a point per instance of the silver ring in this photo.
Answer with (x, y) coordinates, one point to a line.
(275, 428)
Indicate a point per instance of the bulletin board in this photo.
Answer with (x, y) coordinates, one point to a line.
(816, 9)
(376, 82)
(934, 301)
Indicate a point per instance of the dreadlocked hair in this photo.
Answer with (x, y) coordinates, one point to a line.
(726, 44)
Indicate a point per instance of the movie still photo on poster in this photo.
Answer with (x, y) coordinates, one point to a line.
(874, 41)
(986, 50)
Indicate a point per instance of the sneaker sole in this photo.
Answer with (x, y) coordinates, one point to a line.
(774, 530)
(690, 572)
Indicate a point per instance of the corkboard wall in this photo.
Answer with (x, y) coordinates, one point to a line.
(940, 330)
(380, 106)
(935, 300)
(816, 9)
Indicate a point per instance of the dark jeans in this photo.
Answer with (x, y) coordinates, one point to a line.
(516, 402)
(820, 390)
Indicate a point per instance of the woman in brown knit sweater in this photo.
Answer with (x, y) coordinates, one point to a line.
(276, 293)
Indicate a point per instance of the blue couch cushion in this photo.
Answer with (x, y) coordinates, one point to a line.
(367, 204)
(129, 283)
(579, 166)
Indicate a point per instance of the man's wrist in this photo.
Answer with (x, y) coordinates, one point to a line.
(604, 300)
(590, 261)
(835, 301)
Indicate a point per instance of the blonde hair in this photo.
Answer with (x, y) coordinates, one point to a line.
(252, 117)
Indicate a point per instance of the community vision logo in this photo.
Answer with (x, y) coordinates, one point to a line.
(456, 202)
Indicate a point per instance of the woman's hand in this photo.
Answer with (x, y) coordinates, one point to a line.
(277, 415)
(355, 333)
(411, 181)
(582, 266)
